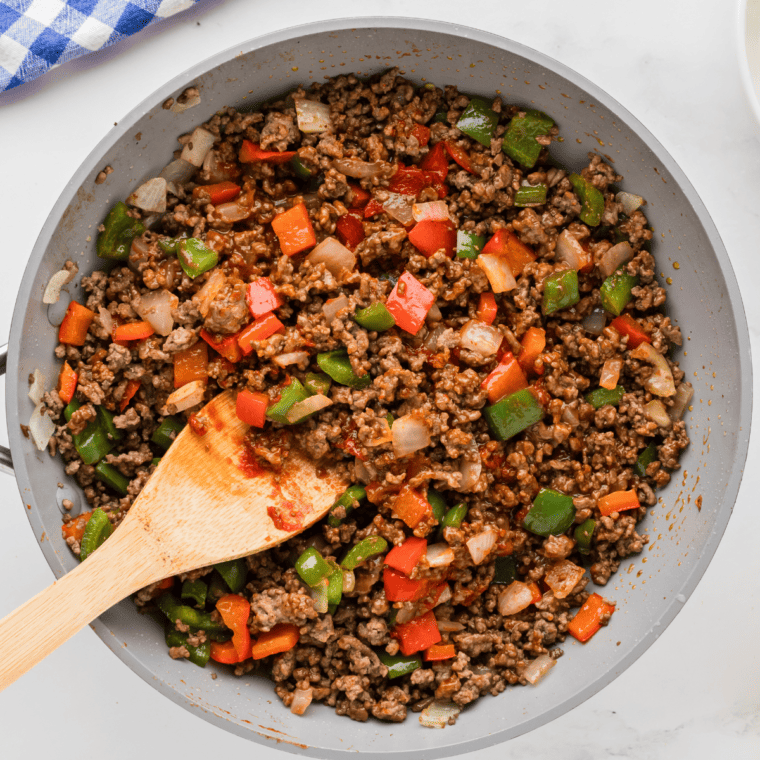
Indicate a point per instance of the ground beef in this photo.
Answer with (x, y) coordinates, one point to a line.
(362, 180)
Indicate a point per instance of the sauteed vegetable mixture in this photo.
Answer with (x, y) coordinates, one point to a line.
(400, 281)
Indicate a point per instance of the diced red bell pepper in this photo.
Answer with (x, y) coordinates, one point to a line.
(132, 387)
(235, 611)
(251, 153)
(618, 501)
(536, 591)
(533, 343)
(421, 132)
(409, 303)
(429, 237)
(76, 323)
(75, 528)
(408, 180)
(506, 379)
(405, 556)
(67, 383)
(373, 208)
(251, 407)
(222, 192)
(410, 506)
(260, 329)
(588, 619)
(133, 331)
(294, 230)
(440, 652)
(436, 161)
(261, 297)
(540, 393)
(506, 244)
(627, 325)
(191, 364)
(224, 652)
(283, 637)
(350, 229)
(460, 155)
(228, 347)
(421, 633)
(359, 197)
(487, 308)
(399, 588)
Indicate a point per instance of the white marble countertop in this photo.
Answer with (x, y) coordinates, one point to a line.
(696, 693)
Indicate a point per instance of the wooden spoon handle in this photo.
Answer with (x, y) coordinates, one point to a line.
(121, 566)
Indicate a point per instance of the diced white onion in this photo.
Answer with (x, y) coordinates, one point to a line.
(538, 669)
(432, 211)
(470, 472)
(515, 598)
(189, 395)
(106, 319)
(308, 406)
(156, 307)
(480, 545)
(481, 338)
(292, 357)
(444, 596)
(595, 322)
(434, 314)
(410, 434)
(333, 306)
(406, 614)
(209, 291)
(334, 255)
(37, 388)
(364, 471)
(438, 713)
(399, 207)
(684, 395)
(449, 626)
(629, 201)
(313, 117)
(355, 167)
(198, 146)
(349, 581)
(562, 577)
(498, 272)
(439, 555)
(319, 595)
(41, 428)
(177, 172)
(301, 700)
(385, 436)
(614, 257)
(610, 374)
(569, 415)
(232, 212)
(182, 104)
(660, 382)
(656, 412)
(150, 196)
(570, 250)
(57, 281)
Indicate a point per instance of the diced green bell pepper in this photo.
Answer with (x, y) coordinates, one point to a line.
(312, 567)
(106, 420)
(170, 246)
(366, 548)
(291, 394)
(337, 365)
(155, 461)
(217, 588)
(441, 117)
(195, 591)
(615, 292)
(97, 530)
(334, 587)
(583, 534)
(400, 664)
(196, 619)
(195, 258)
(346, 502)
(469, 245)
(93, 443)
(479, 121)
(513, 414)
(505, 571)
(375, 317)
(233, 571)
(120, 230)
(520, 138)
(552, 513)
(453, 518)
(591, 198)
(168, 429)
(529, 194)
(560, 291)
(438, 504)
(317, 383)
(108, 474)
(647, 456)
(600, 397)
(299, 168)
(199, 654)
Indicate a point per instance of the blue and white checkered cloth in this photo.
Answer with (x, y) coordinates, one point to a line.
(36, 35)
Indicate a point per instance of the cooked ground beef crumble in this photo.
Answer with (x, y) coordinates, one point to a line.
(575, 449)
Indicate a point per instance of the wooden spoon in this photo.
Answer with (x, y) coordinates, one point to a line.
(206, 502)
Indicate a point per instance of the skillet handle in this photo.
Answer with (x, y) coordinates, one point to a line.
(6, 463)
